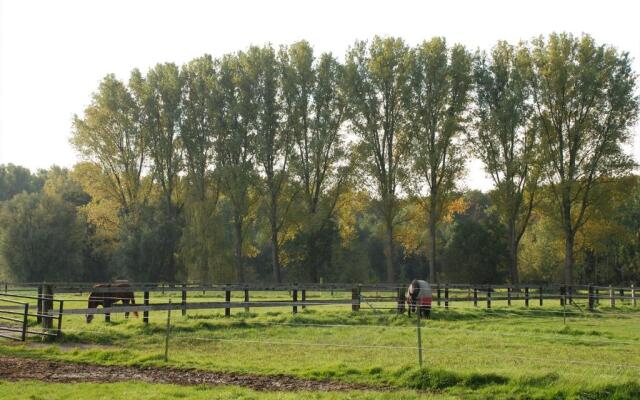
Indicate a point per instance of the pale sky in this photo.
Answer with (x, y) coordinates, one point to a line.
(54, 53)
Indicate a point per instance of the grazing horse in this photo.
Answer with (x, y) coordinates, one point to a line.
(107, 299)
(419, 296)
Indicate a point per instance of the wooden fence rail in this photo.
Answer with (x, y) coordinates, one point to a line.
(444, 294)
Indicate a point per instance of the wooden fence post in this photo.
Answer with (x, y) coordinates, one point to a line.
(355, 296)
(60, 312)
(184, 299)
(475, 296)
(597, 296)
(526, 296)
(591, 300)
(25, 322)
(621, 296)
(47, 307)
(295, 299)
(39, 304)
(145, 313)
(612, 299)
(246, 299)
(540, 295)
(633, 295)
(227, 298)
(446, 295)
(303, 293)
(562, 294)
(489, 297)
(399, 300)
(509, 295)
(438, 292)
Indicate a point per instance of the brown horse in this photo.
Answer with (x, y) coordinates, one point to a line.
(107, 299)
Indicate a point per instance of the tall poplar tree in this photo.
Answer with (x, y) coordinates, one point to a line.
(585, 104)
(376, 77)
(273, 144)
(109, 134)
(235, 144)
(505, 138)
(160, 93)
(437, 99)
(314, 106)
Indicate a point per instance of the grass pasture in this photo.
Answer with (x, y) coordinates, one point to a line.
(469, 352)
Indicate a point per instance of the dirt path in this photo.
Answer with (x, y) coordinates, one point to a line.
(12, 368)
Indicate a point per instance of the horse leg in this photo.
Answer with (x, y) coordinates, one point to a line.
(126, 303)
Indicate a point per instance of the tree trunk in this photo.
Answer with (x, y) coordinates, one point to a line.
(568, 258)
(391, 276)
(313, 262)
(432, 248)
(513, 254)
(275, 256)
(239, 240)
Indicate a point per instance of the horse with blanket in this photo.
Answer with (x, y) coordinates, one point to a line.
(419, 296)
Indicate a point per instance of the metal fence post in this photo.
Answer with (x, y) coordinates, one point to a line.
(418, 329)
(166, 336)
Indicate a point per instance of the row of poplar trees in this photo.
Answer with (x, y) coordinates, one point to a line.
(286, 126)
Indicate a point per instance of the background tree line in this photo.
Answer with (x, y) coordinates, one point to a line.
(283, 165)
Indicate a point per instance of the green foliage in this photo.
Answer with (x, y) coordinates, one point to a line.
(476, 247)
(42, 238)
(15, 180)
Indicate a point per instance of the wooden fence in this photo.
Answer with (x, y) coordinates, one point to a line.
(357, 296)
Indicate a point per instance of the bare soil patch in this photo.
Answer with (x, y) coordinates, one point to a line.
(14, 368)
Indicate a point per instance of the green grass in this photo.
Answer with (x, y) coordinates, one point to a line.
(145, 391)
(469, 352)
